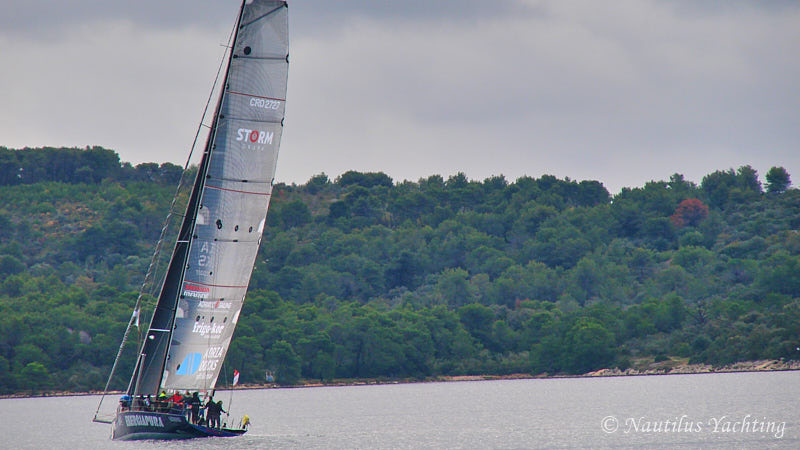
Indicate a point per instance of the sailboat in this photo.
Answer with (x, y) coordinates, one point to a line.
(209, 270)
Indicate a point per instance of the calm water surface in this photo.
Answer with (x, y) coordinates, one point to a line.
(742, 410)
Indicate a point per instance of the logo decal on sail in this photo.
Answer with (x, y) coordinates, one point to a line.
(207, 328)
(254, 138)
(219, 304)
(193, 290)
(190, 364)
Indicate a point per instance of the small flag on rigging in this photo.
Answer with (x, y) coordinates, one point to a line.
(136, 317)
(235, 377)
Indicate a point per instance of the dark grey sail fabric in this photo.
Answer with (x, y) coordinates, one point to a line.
(233, 203)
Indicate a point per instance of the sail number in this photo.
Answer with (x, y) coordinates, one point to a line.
(264, 103)
(206, 250)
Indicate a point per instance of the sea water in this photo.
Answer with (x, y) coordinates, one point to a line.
(731, 410)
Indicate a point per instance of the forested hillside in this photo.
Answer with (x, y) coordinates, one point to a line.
(364, 276)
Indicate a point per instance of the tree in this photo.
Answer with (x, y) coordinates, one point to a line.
(453, 286)
(366, 180)
(587, 346)
(778, 180)
(284, 362)
(477, 319)
(317, 183)
(293, 214)
(717, 186)
(10, 265)
(689, 212)
(747, 179)
(34, 376)
(6, 376)
(591, 193)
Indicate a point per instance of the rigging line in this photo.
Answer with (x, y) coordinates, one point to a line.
(211, 95)
(230, 389)
(116, 360)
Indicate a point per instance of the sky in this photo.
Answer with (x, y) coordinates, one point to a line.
(622, 92)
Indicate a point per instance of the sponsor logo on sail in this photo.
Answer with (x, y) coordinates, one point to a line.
(210, 305)
(214, 352)
(255, 137)
(190, 364)
(265, 103)
(208, 365)
(138, 420)
(195, 291)
(207, 328)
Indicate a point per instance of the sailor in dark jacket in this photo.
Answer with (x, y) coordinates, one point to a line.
(213, 412)
(194, 404)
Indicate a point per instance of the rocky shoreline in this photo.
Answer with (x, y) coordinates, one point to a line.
(680, 369)
(668, 367)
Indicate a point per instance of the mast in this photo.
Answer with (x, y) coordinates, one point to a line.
(149, 371)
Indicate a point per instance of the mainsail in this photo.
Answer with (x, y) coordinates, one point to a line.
(210, 269)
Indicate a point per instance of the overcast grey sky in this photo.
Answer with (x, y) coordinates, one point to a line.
(622, 92)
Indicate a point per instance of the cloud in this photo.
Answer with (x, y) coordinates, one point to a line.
(574, 89)
(45, 20)
(623, 93)
(109, 84)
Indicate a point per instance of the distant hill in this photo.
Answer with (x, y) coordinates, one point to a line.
(363, 276)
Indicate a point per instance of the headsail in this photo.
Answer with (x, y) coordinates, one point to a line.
(210, 269)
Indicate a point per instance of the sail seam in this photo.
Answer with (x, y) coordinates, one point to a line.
(257, 96)
(216, 285)
(263, 58)
(241, 119)
(238, 180)
(239, 241)
(261, 17)
(238, 191)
